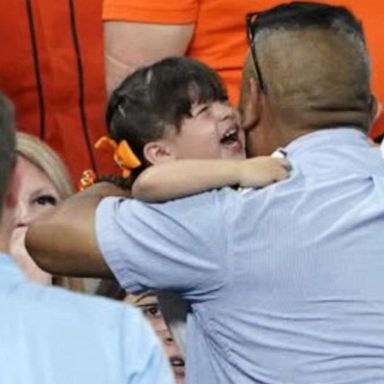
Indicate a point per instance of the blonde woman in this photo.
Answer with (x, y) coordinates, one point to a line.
(43, 182)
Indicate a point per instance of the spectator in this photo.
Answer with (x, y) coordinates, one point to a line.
(53, 336)
(141, 32)
(149, 305)
(52, 69)
(44, 182)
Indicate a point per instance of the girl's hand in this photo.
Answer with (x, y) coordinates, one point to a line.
(262, 171)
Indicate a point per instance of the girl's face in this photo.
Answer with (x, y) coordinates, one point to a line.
(36, 195)
(150, 307)
(212, 131)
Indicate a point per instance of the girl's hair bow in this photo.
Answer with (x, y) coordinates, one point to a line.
(123, 154)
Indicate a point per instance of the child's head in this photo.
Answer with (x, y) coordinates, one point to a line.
(175, 108)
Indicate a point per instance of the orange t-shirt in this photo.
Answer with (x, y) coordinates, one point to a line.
(220, 36)
(219, 39)
(52, 68)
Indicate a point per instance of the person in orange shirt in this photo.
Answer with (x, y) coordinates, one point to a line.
(142, 32)
(145, 31)
(52, 68)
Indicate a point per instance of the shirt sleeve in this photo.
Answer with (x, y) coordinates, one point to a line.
(152, 11)
(179, 245)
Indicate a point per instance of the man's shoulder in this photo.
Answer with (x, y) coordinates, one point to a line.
(77, 338)
(83, 335)
(198, 201)
(83, 305)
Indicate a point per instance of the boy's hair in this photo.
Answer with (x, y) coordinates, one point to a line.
(7, 145)
(157, 97)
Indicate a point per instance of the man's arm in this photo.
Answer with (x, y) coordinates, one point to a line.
(63, 242)
(153, 246)
(130, 45)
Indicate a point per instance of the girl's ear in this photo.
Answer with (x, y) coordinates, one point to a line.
(159, 151)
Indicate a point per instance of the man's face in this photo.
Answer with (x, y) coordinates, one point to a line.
(255, 132)
(257, 141)
(212, 131)
(253, 114)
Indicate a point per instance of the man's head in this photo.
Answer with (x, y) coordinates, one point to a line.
(7, 147)
(175, 108)
(315, 73)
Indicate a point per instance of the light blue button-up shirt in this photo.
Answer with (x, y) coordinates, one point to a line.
(51, 336)
(286, 283)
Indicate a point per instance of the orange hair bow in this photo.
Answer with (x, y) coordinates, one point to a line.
(123, 154)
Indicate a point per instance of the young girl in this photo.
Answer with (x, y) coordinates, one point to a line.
(178, 109)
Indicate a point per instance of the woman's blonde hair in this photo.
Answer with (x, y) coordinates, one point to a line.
(47, 160)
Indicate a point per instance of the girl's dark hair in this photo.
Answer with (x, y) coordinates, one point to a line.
(158, 97)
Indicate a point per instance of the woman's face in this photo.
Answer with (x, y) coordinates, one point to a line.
(36, 195)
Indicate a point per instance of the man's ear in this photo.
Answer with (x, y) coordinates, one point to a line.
(376, 108)
(157, 152)
(251, 105)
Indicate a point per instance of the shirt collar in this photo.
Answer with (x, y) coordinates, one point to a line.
(326, 137)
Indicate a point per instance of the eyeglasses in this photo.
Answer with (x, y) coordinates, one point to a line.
(251, 19)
